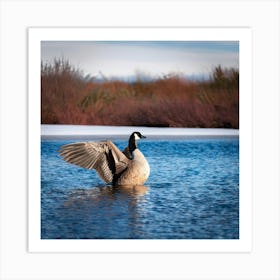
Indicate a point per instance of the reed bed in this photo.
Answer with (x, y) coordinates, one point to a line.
(70, 97)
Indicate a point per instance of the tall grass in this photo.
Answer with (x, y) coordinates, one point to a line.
(70, 98)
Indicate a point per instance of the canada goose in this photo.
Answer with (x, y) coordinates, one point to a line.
(129, 167)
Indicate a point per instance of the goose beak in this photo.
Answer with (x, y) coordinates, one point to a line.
(142, 136)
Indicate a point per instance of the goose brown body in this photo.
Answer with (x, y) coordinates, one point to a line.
(129, 167)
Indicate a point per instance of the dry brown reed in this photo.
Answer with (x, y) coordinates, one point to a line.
(67, 97)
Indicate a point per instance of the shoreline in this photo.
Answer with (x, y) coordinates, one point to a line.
(89, 131)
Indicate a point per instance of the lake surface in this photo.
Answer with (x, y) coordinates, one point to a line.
(192, 193)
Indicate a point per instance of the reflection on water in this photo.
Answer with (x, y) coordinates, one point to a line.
(192, 193)
(105, 194)
(91, 213)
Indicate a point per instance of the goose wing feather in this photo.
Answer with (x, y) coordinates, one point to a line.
(103, 156)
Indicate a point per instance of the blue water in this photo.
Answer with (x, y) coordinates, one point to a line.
(192, 193)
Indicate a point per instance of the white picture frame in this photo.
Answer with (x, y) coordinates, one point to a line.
(243, 36)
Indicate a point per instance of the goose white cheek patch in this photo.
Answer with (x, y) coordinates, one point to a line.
(136, 136)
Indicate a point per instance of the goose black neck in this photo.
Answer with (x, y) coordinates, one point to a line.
(132, 145)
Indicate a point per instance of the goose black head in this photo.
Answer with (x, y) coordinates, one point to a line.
(137, 135)
(132, 140)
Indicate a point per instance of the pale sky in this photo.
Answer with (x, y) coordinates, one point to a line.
(155, 58)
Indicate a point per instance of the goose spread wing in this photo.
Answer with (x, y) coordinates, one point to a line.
(104, 157)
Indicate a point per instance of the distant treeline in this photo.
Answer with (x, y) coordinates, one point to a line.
(69, 97)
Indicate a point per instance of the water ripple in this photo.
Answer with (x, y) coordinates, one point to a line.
(192, 193)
